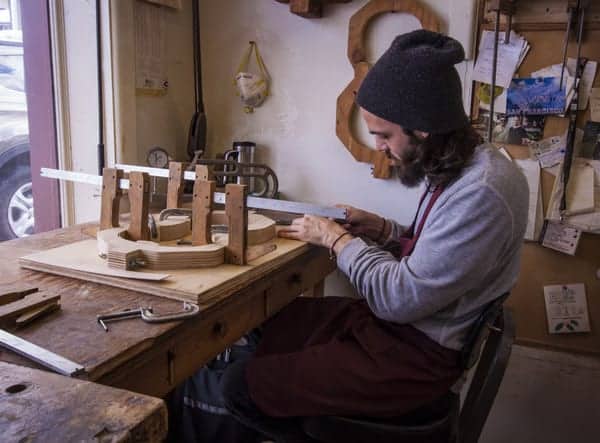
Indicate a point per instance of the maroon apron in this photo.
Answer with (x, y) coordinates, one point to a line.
(333, 356)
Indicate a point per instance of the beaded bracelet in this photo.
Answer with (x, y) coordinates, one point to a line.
(332, 255)
(382, 230)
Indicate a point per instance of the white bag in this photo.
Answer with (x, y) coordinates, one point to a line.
(253, 88)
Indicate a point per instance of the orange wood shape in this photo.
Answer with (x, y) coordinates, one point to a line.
(358, 60)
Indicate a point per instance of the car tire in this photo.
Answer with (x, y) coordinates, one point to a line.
(16, 203)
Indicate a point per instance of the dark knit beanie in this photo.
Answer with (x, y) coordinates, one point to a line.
(415, 85)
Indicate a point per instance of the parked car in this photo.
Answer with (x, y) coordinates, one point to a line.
(16, 197)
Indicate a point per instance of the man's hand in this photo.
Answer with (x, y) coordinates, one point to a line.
(360, 222)
(312, 229)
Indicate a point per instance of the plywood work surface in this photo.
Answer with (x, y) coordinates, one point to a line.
(39, 406)
(80, 260)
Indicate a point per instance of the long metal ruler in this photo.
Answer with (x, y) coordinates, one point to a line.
(40, 355)
(219, 197)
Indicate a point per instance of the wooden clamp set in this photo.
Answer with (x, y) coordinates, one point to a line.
(202, 206)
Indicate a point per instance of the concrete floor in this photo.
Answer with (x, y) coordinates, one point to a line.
(548, 397)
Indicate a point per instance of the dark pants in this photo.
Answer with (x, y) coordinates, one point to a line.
(237, 400)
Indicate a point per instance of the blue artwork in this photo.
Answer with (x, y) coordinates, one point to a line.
(535, 96)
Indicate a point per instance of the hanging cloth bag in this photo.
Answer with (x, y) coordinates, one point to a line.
(253, 88)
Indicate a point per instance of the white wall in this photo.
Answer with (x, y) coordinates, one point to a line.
(295, 127)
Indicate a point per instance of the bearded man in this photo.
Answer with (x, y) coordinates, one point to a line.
(421, 287)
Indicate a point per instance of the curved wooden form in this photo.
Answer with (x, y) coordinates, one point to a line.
(123, 253)
(357, 56)
(359, 22)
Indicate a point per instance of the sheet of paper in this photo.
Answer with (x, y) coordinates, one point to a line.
(595, 104)
(535, 96)
(589, 222)
(549, 151)
(535, 218)
(568, 80)
(566, 308)
(509, 57)
(587, 81)
(561, 237)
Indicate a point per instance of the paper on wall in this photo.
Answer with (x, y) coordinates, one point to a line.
(587, 81)
(509, 58)
(561, 237)
(589, 222)
(566, 308)
(535, 217)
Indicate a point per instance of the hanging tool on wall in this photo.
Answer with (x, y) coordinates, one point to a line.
(506, 7)
(197, 131)
(100, 146)
(576, 10)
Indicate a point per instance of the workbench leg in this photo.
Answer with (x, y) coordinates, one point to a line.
(202, 206)
(237, 214)
(175, 185)
(111, 198)
(139, 198)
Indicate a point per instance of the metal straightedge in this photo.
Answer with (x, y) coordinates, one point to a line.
(222, 170)
(338, 214)
(40, 355)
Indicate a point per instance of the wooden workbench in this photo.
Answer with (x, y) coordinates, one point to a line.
(40, 406)
(148, 358)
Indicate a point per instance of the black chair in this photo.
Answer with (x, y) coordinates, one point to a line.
(444, 420)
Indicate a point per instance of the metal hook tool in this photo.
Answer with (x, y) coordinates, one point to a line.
(147, 314)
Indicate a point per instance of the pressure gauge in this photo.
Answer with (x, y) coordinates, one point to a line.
(157, 158)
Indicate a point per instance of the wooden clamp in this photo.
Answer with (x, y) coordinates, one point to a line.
(175, 185)
(358, 59)
(111, 197)
(237, 215)
(202, 206)
(139, 199)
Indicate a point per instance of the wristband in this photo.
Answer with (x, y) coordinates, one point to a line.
(332, 255)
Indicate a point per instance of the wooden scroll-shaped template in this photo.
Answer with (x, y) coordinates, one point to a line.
(358, 60)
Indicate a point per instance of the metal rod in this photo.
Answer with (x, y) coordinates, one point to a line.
(508, 29)
(494, 67)
(566, 46)
(40, 355)
(579, 67)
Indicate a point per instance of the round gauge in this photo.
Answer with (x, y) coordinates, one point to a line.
(157, 158)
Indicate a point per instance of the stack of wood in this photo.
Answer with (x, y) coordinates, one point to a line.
(21, 304)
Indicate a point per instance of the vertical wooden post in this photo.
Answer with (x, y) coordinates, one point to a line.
(111, 197)
(237, 214)
(202, 206)
(139, 198)
(175, 185)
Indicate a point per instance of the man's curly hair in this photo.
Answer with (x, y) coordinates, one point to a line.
(441, 157)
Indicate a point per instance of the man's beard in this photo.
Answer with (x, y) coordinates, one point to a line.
(409, 167)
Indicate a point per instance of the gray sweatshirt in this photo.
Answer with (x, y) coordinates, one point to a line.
(467, 254)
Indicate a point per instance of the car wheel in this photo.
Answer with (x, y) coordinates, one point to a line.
(16, 204)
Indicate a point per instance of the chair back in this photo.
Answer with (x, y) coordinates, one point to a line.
(499, 329)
